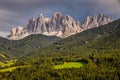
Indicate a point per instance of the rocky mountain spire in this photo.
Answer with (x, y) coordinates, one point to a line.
(58, 25)
(95, 21)
(40, 24)
(30, 25)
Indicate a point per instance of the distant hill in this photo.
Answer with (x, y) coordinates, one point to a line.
(24, 46)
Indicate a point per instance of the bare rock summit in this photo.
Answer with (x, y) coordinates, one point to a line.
(58, 25)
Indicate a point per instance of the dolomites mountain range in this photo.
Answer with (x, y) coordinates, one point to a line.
(58, 25)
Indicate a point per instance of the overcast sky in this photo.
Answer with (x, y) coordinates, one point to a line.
(15, 13)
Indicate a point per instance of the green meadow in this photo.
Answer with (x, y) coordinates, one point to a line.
(10, 69)
(7, 64)
(70, 65)
(2, 64)
(2, 55)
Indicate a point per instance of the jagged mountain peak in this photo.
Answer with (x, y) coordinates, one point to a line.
(58, 25)
(57, 15)
(95, 21)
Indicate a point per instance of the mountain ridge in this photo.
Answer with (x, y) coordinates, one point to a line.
(58, 25)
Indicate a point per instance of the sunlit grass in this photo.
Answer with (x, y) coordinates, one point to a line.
(70, 65)
(2, 64)
(10, 69)
(7, 64)
(2, 55)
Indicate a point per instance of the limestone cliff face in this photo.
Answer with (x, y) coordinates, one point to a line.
(95, 21)
(18, 33)
(58, 25)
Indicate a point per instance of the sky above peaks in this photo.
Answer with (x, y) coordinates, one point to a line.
(15, 13)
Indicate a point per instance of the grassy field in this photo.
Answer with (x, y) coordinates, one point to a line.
(10, 69)
(2, 64)
(70, 65)
(7, 64)
(2, 55)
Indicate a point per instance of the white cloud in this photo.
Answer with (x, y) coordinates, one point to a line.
(111, 6)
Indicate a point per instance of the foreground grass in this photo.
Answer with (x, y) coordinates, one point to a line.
(70, 65)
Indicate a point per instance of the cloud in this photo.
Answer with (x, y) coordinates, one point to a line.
(17, 12)
(110, 7)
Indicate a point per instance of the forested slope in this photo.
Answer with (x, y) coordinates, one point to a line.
(19, 48)
(98, 49)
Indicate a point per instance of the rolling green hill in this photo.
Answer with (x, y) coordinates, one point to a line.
(18, 48)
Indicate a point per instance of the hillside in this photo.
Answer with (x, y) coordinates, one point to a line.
(24, 46)
(100, 38)
(95, 50)
(90, 35)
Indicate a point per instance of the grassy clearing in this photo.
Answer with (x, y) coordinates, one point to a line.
(1, 64)
(2, 55)
(10, 69)
(7, 64)
(70, 65)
